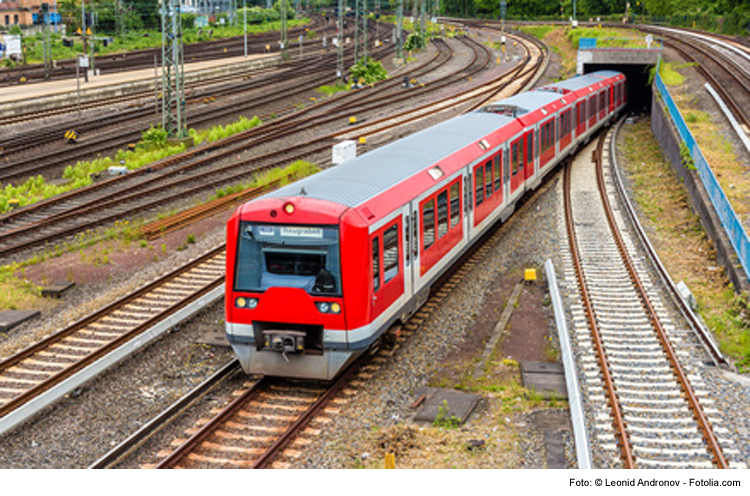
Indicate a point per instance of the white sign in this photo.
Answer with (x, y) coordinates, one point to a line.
(83, 61)
(13, 45)
(302, 232)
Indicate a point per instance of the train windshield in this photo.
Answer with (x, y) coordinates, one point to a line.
(272, 255)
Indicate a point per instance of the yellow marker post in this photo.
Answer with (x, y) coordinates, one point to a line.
(390, 461)
(529, 275)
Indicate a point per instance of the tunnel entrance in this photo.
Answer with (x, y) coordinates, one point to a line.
(638, 85)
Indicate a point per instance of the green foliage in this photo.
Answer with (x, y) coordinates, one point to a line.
(332, 89)
(219, 132)
(155, 137)
(739, 346)
(686, 157)
(368, 70)
(444, 420)
(415, 41)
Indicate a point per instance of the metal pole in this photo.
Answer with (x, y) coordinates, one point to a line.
(83, 37)
(340, 45)
(156, 87)
(244, 10)
(78, 86)
(400, 30)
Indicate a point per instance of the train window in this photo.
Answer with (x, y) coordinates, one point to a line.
(304, 257)
(376, 263)
(479, 185)
(497, 172)
(514, 157)
(442, 222)
(428, 223)
(592, 107)
(488, 178)
(455, 200)
(390, 253)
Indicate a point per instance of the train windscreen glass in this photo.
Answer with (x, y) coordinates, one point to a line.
(272, 255)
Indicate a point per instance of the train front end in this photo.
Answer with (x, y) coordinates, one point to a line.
(285, 309)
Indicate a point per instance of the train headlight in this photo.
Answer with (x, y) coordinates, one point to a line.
(288, 208)
(326, 307)
(250, 303)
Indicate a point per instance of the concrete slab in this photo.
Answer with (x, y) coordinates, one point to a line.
(434, 402)
(12, 318)
(57, 290)
(546, 378)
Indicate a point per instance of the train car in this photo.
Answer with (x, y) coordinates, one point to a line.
(319, 269)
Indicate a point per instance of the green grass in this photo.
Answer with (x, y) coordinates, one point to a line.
(540, 32)
(79, 175)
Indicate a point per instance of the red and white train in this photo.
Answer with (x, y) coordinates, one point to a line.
(319, 269)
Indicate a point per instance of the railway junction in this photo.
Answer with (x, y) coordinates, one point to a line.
(370, 415)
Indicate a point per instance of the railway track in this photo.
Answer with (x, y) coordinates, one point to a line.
(81, 345)
(253, 429)
(43, 152)
(144, 59)
(727, 70)
(43, 372)
(644, 390)
(204, 168)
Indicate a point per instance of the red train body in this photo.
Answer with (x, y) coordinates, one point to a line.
(318, 270)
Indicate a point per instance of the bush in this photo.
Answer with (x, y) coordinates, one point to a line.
(415, 41)
(154, 137)
(368, 70)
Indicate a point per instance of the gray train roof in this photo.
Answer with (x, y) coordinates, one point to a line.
(579, 82)
(355, 181)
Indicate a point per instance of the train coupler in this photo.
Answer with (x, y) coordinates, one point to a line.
(284, 342)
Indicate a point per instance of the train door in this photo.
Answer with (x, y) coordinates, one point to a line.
(387, 244)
